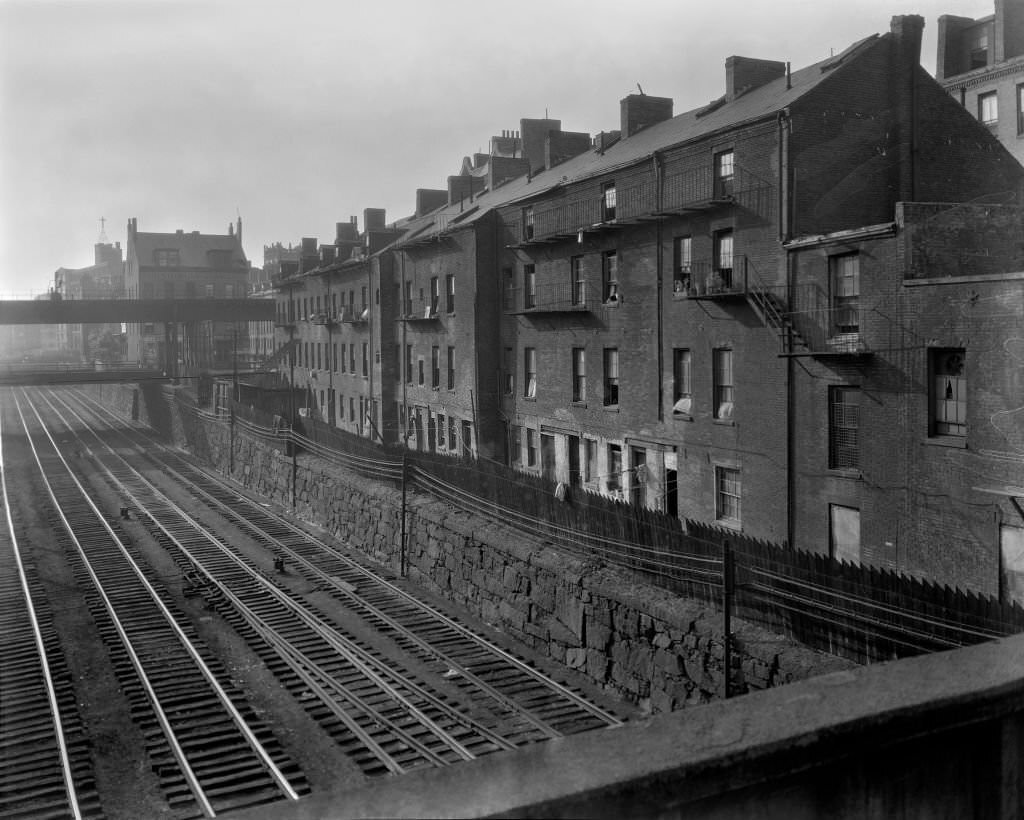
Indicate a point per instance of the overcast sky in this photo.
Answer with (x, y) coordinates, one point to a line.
(298, 114)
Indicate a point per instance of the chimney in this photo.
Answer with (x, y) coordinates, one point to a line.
(1008, 30)
(501, 169)
(637, 111)
(535, 135)
(905, 62)
(743, 74)
(346, 232)
(429, 199)
(461, 188)
(563, 145)
(238, 232)
(604, 140)
(326, 254)
(373, 219)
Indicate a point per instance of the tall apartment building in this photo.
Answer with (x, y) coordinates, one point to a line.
(747, 313)
(184, 265)
(981, 63)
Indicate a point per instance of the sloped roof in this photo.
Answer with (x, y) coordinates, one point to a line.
(193, 249)
(718, 115)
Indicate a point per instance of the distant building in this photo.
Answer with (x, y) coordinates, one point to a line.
(104, 279)
(981, 63)
(184, 265)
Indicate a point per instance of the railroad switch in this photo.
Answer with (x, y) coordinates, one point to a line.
(279, 564)
(126, 514)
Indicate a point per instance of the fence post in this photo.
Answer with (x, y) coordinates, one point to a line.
(231, 440)
(401, 549)
(727, 594)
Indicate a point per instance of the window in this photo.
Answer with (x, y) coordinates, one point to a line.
(590, 471)
(988, 108)
(352, 358)
(208, 291)
(467, 437)
(845, 280)
(579, 286)
(531, 448)
(517, 443)
(724, 175)
(979, 49)
(166, 258)
(727, 494)
(608, 201)
(579, 374)
(435, 295)
(1020, 109)
(408, 364)
(610, 276)
(362, 298)
(449, 290)
(843, 427)
(451, 433)
(352, 409)
(509, 291)
(611, 377)
(683, 254)
(508, 373)
(530, 373)
(318, 360)
(723, 384)
(682, 392)
(614, 481)
(440, 431)
(421, 378)
(435, 367)
(366, 360)
(528, 223)
(529, 286)
(336, 358)
(451, 368)
(723, 260)
(949, 393)
(408, 298)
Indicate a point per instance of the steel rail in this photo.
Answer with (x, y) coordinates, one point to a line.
(352, 656)
(222, 696)
(37, 635)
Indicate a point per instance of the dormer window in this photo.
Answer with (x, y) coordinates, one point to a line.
(979, 49)
(608, 201)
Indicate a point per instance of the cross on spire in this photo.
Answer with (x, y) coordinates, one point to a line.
(103, 232)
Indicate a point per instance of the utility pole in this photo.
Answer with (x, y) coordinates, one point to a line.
(401, 548)
(727, 596)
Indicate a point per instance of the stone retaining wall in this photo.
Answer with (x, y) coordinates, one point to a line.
(635, 640)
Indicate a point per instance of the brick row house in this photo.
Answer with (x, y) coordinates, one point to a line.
(186, 265)
(717, 314)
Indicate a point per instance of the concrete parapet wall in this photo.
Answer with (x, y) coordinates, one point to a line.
(635, 640)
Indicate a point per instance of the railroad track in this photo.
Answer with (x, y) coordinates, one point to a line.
(45, 765)
(210, 751)
(482, 669)
(384, 716)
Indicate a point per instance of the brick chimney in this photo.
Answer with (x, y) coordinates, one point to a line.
(637, 111)
(563, 145)
(429, 199)
(905, 57)
(743, 74)
(463, 187)
(534, 136)
(373, 219)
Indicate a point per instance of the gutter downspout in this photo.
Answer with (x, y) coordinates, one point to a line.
(785, 227)
(658, 168)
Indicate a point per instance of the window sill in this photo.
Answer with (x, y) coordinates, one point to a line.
(729, 523)
(580, 404)
(529, 398)
(724, 422)
(851, 473)
(682, 417)
(612, 303)
(956, 442)
(611, 408)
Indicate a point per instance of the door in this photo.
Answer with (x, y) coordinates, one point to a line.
(574, 461)
(638, 482)
(844, 533)
(547, 456)
(1011, 551)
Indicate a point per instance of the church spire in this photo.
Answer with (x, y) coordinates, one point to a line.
(103, 233)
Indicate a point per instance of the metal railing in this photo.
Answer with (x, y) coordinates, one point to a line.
(551, 297)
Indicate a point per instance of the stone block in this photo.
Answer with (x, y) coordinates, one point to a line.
(576, 658)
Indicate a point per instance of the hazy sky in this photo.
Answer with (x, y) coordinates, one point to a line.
(298, 114)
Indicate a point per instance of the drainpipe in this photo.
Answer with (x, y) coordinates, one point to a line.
(659, 264)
